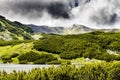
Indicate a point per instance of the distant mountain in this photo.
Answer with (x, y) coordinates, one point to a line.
(75, 29)
(78, 29)
(13, 30)
(17, 31)
(46, 29)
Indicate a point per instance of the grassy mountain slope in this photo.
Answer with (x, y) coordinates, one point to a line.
(53, 48)
(23, 52)
(98, 45)
(13, 30)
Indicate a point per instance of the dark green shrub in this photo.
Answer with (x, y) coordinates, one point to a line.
(54, 62)
(6, 59)
(41, 61)
(30, 56)
(13, 55)
(91, 45)
(44, 58)
(23, 62)
(114, 71)
(36, 58)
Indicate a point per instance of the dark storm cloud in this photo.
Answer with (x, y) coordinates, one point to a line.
(108, 14)
(58, 9)
(94, 13)
(35, 9)
(104, 17)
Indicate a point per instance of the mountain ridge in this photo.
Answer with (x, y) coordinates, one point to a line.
(14, 30)
(75, 29)
(17, 31)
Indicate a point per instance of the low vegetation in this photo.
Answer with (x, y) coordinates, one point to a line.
(91, 56)
(53, 48)
(14, 30)
(89, 45)
(36, 58)
(13, 42)
(94, 71)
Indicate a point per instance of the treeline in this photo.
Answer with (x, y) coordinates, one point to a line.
(91, 45)
(95, 71)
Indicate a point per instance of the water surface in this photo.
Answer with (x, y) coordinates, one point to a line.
(24, 67)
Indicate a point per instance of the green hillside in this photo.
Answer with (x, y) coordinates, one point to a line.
(17, 45)
(23, 52)
(97, 45)
(56, 49)
(13, 30)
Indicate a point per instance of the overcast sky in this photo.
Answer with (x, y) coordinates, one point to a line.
(91, 13)
(34, 11)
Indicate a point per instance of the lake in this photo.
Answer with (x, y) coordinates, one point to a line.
(21, 67)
